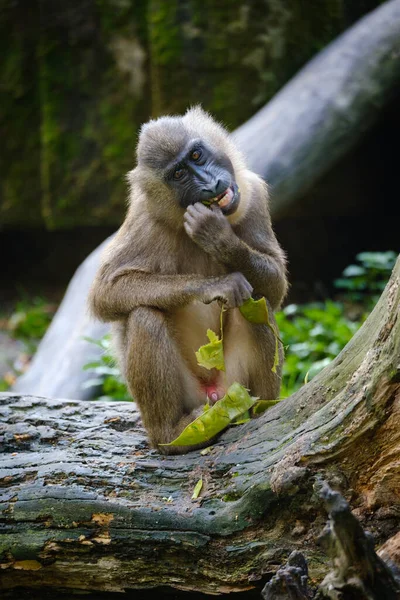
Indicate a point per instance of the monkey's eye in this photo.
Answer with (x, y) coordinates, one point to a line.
(196, 154)
(178, 173)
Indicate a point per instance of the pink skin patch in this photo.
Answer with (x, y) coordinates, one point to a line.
(213, 392)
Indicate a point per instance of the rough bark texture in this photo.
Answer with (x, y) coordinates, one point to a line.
(85, 503)
(357, 570)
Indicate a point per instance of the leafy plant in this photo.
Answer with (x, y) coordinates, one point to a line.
(315, 333)
(365, 281)
(30, 320)
(28, 323)
(106, 374)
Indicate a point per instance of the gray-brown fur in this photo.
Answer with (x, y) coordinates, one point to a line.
(162, 274)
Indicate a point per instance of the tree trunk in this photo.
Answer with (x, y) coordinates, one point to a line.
(86, 504)
(326, 109)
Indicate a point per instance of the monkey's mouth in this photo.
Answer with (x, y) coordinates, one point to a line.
(229, 199)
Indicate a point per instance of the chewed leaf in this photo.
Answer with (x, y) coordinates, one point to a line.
(256, 311)
(212, 336)
(211, 356)
(236, 401)
(197, 489)
(242, 418)
(262, 405)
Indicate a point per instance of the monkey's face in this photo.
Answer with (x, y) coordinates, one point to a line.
(199, 174)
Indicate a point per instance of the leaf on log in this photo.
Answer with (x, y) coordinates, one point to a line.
(236, 401)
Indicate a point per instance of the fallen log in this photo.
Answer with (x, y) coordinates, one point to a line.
(325, 109)
(87, 506)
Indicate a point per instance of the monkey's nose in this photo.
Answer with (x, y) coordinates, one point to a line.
(214, 188)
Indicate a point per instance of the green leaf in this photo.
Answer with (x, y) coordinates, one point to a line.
(211, 356)
(243, 418)
(197, 489)
(236, 401)
(256, 311)
(262, 405)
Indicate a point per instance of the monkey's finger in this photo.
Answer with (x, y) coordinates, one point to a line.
(217, 209)
(200, 208)
(249, 287)
(189, 219)
(196, 209)
(188, 229)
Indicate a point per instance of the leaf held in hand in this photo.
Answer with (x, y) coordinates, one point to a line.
(197, 489)
(211, 356)
(256, 311)
(236, 401)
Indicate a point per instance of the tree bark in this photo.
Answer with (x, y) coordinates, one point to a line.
(87, 505)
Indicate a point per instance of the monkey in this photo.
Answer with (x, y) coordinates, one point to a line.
(197, 234)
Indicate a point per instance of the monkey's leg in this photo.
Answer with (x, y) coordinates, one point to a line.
(249, 356)
(168, 394)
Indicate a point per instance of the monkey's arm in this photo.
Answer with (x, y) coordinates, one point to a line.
(265, 271)
(261, 260)
(114, 295)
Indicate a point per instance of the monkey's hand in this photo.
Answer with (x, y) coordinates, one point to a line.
(232, 290)
(207, 227)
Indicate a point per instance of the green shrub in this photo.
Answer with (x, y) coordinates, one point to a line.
(314, 334)
(106, 375)
(365, 282)
(30, 320)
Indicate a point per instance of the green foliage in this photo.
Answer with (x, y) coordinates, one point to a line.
(28, 323)
(106, 375)
(365, 281)
(315, 333)
(211, 356)
(256, 311)
(30, 320)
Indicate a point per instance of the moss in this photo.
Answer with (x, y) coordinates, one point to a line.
(71, 104)
(231, 497)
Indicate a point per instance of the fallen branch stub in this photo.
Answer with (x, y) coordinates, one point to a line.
(358, 571)
(290, 581)
(86, 505)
